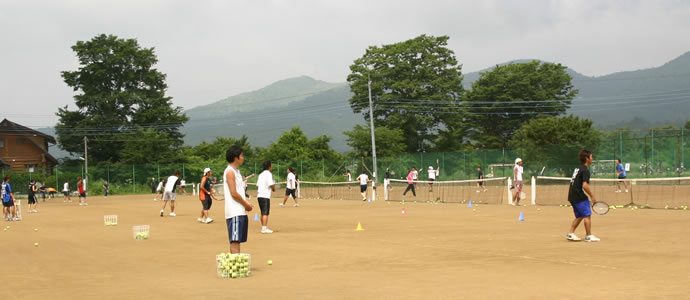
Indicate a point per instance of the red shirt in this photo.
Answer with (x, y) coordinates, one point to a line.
(80, 186)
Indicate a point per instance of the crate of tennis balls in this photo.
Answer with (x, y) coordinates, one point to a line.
(231, 265)
(141, 232)
(110, 220)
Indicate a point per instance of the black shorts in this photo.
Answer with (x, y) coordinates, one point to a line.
(65, 193)
(82, 195)
(480, 183)
(362, 188)
(290, 192)
(237, 228)
(621, 177)
(206, 203)
(32, 199)
(265, 206)
(8, 203)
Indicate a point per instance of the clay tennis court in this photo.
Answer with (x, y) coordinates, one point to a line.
(435, 251)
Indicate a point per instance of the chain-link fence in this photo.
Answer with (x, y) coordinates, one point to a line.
(652, 153)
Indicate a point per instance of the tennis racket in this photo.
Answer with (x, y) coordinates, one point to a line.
(600, 207)
(218, 191)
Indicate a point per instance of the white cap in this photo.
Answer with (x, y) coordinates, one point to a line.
(517, 160)
(207, 170)
(431, 168)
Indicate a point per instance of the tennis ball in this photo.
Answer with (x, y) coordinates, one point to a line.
(5, 229)
(36, 244)
(270, 262)
(538, 208)
(35, 229)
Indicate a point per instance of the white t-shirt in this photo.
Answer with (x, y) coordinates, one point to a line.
(291, 181)
(264, 183)
(160, 186)
(363, 179)
(433, 174)
(415, 175)
(65, 188)
(183, 182)
(349, 177)
(232, 207)
(519, 172)
(170, 184)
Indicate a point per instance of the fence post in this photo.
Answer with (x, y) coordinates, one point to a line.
(183, 170)
(108, 172)
(134, 178)
(56, 177)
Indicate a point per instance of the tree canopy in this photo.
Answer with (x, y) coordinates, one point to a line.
(121, 104)
(389, 142)
(508, 96)
(294, 145)
(413, 84)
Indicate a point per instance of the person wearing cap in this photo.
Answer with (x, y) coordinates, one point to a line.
(517, 178)
(206, 196)
(432, 177)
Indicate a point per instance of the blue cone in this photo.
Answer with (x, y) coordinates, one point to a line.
(522, 217)
(469, 204)
(256, 217)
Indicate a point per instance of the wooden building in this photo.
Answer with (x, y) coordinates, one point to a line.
(25, 149)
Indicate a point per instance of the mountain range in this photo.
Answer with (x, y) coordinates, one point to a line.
(639, 99)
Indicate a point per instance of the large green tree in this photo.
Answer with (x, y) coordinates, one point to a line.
(121, 105)
(215, 151)
(508, 96)
(295, 145)
(415, 86)
(389, 142)
(555, 141)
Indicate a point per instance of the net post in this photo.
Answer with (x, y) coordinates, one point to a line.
(509, 194)
(534, 190)
(385, 189)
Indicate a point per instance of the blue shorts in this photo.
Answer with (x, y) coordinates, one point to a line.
(237, 229)
(582, 209)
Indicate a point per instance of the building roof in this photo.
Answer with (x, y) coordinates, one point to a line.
(8, 127)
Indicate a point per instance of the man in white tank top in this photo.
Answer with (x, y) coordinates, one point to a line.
(517, 177)
(236, 206)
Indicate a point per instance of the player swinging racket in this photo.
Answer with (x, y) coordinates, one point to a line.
(621, 175)
(432, 176)
(410, 183)
(579, 184)
(291, 187)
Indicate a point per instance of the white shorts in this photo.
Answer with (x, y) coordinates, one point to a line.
(168, 196)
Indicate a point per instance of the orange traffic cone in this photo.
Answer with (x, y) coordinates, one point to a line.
(404, 212)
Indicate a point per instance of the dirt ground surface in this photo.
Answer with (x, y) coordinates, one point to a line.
(434, 251)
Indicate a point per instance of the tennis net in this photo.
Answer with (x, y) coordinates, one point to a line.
(488, 191)
(648, 192)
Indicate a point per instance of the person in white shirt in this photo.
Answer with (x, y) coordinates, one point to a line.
(517, 177)
(159, 190)
(432, 177)
(348, 176)
(291, 187)
(265, 185)
(363, 180)
(171, 185)
(65, 191)
(236, 207)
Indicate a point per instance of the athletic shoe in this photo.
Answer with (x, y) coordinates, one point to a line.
(618, 191)
(85, 203)
(16, 219)
(200, 220)
(162, 212)
(485, 190)
(266, 230)
(591, 238)
(478, 191)
(573, 237)
(282, 205)
(297, 204)
(172, 214)
(208, 220)
(626, 190)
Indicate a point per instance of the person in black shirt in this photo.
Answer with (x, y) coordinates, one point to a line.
(480, 183)
(33, 204)
(579, 184)
(387, 179)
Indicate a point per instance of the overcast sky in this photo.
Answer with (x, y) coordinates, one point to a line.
(214, 49)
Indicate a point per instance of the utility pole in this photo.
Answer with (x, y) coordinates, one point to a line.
(86, 164)
(373, 141)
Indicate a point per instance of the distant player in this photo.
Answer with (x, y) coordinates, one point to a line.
(245, 181)
(517, 177)
(42, 189)
(363, 181)
(480, 183)
(106, 188)
(265, 185)
(387, 179)
(172, 184)
(621, 175)
(65, 191)
(159, 190)
(236, 207)
(183, 183)
(82, 191)
(206, 196)
(410, 183)
(33, 202)
(153, 185)
(291, 187)
(579, 185)
(348, 177)
(8, 208)
(432, 176)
